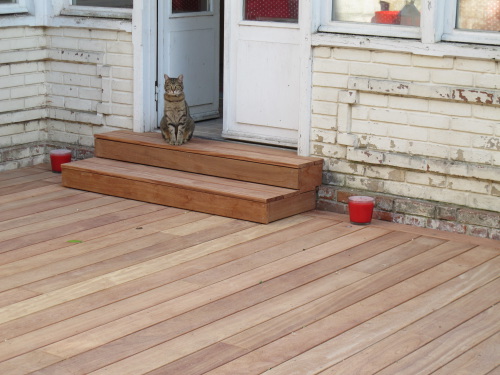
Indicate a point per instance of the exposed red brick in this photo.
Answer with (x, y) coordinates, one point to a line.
(383, 215)
(343, 196)
(332, 206)
(477, 231)
(417, 221)
(326, 192)
(384, 203)
(495, 234)
(415, 207)
(477, 217)
(417, 212)
(446, 213)
(447, 226)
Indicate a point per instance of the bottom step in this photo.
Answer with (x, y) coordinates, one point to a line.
(213, 195)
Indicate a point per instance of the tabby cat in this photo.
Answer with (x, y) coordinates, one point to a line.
(176, 126)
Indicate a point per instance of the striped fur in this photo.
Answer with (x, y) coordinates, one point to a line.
(176, 126)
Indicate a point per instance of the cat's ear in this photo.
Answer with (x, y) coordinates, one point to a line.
(181, 78)
(166, 77)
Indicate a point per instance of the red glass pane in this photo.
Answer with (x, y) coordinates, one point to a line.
(105, 3)
(184, 6)
(276, 10)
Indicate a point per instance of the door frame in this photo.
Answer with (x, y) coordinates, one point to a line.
(145, 42)
(208, 110)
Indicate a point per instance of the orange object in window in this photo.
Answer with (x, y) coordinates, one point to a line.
(387, 17)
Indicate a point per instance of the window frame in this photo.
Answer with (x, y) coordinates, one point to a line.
(437, 23)
(19, 6)
(95, 12)
(452, 34)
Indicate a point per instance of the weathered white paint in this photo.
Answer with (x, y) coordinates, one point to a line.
(189, 45)
(19, 7)
(262, 92)
(403, 45)
(144, 39)
(83, 11)
(309, 22)
(432, 21)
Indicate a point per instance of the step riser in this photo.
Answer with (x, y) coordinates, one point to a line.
(303, 177)
(124, 187)
(203, 164)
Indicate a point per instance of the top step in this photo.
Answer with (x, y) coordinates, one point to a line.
(236, 161)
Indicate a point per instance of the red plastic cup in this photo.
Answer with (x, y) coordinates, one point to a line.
(361, 209)
(58, 157)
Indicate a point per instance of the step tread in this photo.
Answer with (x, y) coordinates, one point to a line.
(181, 179)
(253, 153)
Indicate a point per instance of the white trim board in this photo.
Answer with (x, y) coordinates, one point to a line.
(405, 45)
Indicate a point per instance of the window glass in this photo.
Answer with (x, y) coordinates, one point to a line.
(7, 1)
(276, 10)
(393, 12)
(184, 6)
(105, 3)
(478, 15)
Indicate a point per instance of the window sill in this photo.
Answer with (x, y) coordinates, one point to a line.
(358, 28)
(91, 22)
(406, 45)
(12, 9)
(17, 20)
(93, 12)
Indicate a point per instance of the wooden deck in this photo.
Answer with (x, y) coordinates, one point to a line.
(92, 284)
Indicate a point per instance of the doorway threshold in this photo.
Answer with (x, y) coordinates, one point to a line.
(212, 129)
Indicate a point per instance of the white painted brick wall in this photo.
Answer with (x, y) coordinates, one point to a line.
(91, 93)
(22, 94)
(54, 77)
(422, 127)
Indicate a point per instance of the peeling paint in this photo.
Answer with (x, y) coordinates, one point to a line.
(318, 149)
(495, 191)
(493, 143)
(460, 155)
(480, 97)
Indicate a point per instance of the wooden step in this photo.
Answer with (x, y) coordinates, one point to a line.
(214, 195)
(236, 161)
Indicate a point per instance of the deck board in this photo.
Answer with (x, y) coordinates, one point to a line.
(157, 290)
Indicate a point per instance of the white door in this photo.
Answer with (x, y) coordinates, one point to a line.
(188, 40)
(262, 91)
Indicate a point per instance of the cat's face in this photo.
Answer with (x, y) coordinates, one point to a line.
(174, 86)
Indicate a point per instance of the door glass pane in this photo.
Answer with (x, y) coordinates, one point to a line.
(185, 6)
(276, 10)
(478, 15)
(393, 12)
(105, 3)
